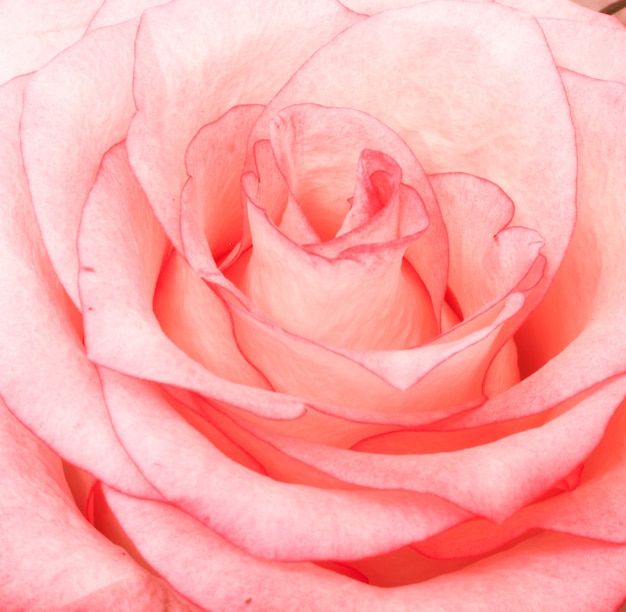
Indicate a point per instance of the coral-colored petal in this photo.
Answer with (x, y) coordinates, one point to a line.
(44, 368)
(268, 518)
(74, 110)
(52, 558)
(189, 72)
(492, 480)
(198, 322)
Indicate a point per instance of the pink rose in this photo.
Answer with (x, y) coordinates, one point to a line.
(302, 300)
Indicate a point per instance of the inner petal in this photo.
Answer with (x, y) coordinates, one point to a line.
(356, 289)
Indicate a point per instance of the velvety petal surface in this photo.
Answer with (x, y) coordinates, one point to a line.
(44, 370)
(119, 228)
(559, 572)
(189, 71)
(52, 559)
(460, 106)
(74, 110)
(34, 32)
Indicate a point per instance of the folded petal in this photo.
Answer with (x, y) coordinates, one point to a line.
(44, 368)
(189, 72)
(75, 108)
(457, 108)
(52, 558)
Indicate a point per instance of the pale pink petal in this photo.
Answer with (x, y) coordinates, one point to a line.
(493, 480)
(116, 11)
(589, 49)
(196, 60)
(122, 248)
(310, 295)
(371, 7)
(317, 150)
(268, 518)
(32, 33)
(584, 11)
(459, 110)
(548, 571)
(415, 386)
(582, 348)
(488, 256)
(43, 367)
(211, 206)
(52, 558)
(74, 110)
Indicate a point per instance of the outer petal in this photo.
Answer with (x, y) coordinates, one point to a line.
(74, 110)
(581, 349)
(52, 558)
(268, 518)
(559, 573)
(122, 248)
(196, 60)
(34, 32)
(43, 366)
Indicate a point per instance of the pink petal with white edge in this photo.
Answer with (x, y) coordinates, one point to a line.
(44, 368)
(269, 519)
(211, 207)
(561, 573)
(74, 110)
(457, 108)
(33, 33)
(582, 348)
(52, 558)
(122, 248)
(189, 71)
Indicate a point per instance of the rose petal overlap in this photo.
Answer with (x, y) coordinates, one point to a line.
(313, 305)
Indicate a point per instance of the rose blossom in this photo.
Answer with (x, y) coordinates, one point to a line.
(312, 306)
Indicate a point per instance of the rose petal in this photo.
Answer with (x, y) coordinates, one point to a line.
(117, 11)
(586, 48)
(66, 129)
(188, 72)
(586, 575)
(582, 348)
(211, 206)
(464, 109)
(51, 557)
(119, 228)
(492, 480)
(34, 32)
(488, 257)
(44, 368)
(199, 323)
(256, 512)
